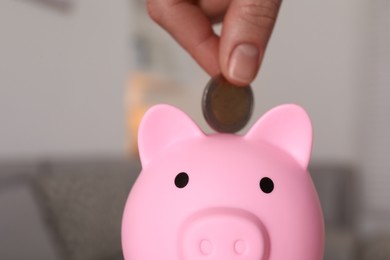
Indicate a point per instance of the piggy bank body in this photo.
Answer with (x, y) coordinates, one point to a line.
(223, 196)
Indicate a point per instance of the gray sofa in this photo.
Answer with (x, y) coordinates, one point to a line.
(71, 209)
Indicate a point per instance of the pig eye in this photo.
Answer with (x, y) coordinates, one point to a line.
(181, 180)
(266, 185)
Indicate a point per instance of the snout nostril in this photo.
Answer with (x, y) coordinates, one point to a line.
(239, 247)
(206, 247)
(220, 233)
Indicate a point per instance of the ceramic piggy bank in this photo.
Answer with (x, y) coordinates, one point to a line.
(223, 196)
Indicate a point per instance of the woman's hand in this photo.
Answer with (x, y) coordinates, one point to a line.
(238, 52)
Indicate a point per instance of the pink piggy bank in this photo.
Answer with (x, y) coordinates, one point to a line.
(224, 196)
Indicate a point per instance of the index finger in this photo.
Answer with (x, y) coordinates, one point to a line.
(191, 28)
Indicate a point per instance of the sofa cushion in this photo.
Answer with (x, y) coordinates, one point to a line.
(336, 187)
(83, 202)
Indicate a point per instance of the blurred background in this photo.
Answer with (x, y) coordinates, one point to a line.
(77, 75)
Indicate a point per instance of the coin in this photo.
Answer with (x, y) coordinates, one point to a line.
(227, 108)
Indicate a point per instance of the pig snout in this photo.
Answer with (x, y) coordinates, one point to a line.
(227, 234)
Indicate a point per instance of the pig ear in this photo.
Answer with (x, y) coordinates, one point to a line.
(287, 127)
(161, 126)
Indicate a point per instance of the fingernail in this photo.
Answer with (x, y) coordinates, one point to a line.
(243, 63)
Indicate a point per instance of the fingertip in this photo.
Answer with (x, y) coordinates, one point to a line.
(246, 30)
(243, 63)
(238, 83)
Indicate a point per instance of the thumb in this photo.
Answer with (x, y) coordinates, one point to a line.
(247, 27)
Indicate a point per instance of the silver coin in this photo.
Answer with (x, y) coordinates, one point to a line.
(227, 108)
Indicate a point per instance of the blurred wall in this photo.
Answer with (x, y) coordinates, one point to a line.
(374, 123)
(63, 74)
(62, 77)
